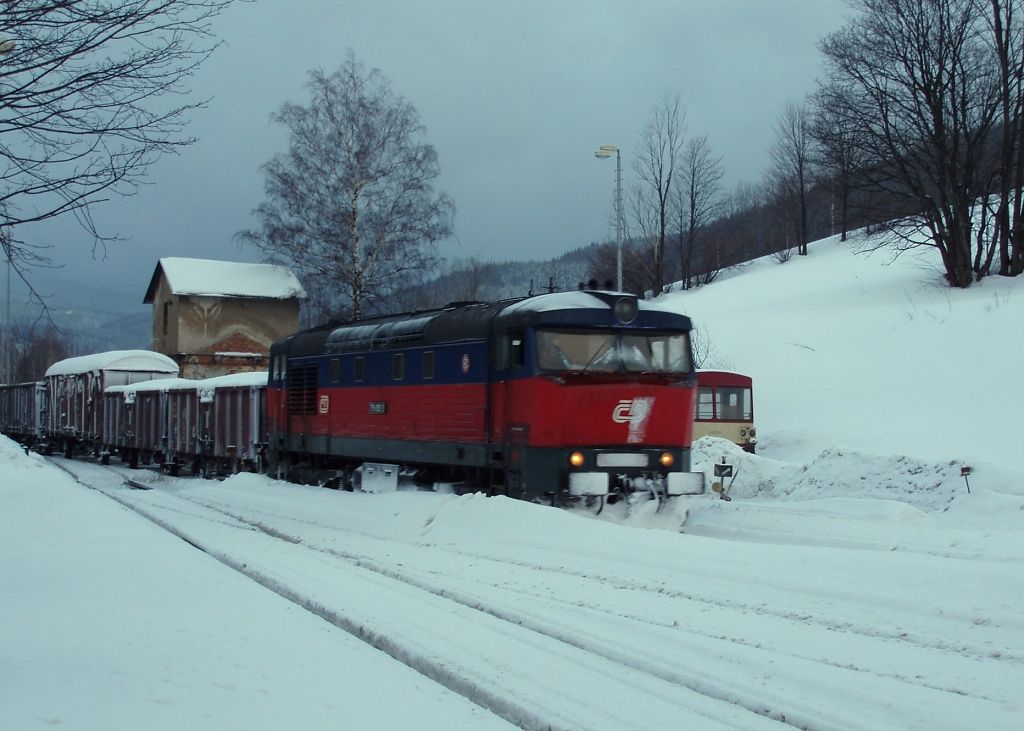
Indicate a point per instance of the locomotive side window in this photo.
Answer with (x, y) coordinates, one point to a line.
(335, 370)
(398, 366)
(516, 349)
(704, 405)
(427, 364)
(358, 369)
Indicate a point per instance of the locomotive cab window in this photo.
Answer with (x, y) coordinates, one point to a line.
(427, 365)
(609, 351)
(398, 367)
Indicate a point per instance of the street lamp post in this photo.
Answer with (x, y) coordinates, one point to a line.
(605, 151)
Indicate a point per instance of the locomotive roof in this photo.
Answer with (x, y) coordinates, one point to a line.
(463, 321)
(589, 308)
(115, 360)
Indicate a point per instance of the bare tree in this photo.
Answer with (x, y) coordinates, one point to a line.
(351, 204)
(636, 266)
(660, 147)
(918, 89)
(35, 348)
(1006, 36)
(790, 173)
(698, 199)
(92, 92)
(837, 155)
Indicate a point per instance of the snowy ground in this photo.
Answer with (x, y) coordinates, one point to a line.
(853, 582)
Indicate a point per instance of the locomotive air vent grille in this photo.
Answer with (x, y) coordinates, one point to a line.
(302, 383)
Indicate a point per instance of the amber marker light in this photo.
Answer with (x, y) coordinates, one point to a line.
(576, 459)
(666, 459)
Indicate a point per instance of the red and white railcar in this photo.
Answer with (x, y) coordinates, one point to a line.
(725, 408)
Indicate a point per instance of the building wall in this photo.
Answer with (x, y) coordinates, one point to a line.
(165, 321)
(211, 336)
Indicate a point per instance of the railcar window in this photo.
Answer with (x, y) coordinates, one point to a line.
(398, 366)
(705, 405)
(427, 364)
(358, 369)
(733, 403)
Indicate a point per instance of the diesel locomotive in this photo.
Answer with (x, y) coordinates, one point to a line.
(565, 395)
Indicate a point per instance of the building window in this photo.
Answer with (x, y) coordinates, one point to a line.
(167, 316)
(398, 367)
(428, 364)
(358, 369)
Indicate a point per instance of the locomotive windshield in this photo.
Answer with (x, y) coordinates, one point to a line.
(611, 351)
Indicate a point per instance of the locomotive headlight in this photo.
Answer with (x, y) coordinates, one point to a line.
(576, 459)
(666, 459)
(743, 432)
(625, 309)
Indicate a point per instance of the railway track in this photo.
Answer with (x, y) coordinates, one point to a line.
(632, 652)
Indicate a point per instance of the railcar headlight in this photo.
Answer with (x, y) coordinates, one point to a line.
(576, 459)
(743, 432)
(667, 459)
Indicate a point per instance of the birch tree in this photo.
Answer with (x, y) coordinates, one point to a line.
(351, 205)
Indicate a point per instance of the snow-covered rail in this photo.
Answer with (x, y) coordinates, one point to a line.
(621, 633)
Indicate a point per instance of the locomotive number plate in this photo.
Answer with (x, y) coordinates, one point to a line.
(612, 459)
(378, 407)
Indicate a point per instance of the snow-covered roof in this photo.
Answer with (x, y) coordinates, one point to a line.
(206, 277)
(158, 384)
(114, 360)
(255, 378)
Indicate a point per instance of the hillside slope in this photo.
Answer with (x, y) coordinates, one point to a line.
(859, 351)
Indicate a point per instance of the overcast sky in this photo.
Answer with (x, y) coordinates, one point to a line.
(515, 97)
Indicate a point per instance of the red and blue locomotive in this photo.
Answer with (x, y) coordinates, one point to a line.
(585, 393)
